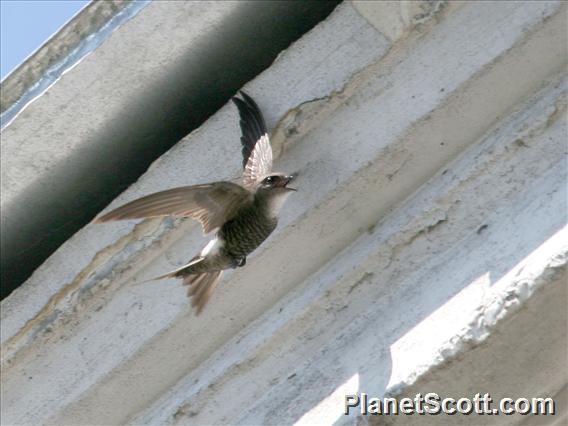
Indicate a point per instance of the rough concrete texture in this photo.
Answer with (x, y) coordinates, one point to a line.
(426, 248)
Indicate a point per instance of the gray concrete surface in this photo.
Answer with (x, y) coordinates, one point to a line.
(425, 250)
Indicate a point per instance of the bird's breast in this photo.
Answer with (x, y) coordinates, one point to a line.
(246, 231)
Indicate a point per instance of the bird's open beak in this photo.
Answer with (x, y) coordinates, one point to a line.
(287, 180)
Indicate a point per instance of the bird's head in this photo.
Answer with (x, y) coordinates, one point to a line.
(273, 189)
(276, 182)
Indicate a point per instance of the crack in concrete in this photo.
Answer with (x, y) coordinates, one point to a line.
(437, 218)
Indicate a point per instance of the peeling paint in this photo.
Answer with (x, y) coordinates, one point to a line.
(68, 301)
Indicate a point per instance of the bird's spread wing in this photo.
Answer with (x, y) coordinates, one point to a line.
(257, 153)
(211, 204)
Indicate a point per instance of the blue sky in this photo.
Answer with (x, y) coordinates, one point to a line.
(26, 24)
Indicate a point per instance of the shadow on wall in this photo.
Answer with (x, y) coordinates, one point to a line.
(186, 95)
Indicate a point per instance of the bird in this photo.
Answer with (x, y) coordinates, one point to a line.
(242, 215)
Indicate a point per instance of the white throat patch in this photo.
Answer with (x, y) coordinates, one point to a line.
(275, 203)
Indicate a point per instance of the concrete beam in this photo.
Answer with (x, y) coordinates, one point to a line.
(430, 219)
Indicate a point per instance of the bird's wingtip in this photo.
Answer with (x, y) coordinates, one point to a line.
(239, 93)
(246, 99)
(104, 218)
(238, 102)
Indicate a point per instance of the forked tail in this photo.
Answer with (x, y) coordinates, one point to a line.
(201, 284)
(201, 287)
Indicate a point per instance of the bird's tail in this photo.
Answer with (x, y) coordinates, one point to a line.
(190, 268)
(201, 287)
(201, 284)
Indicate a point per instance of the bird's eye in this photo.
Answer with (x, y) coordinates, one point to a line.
(269, 180)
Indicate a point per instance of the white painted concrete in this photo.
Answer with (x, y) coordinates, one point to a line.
(426, 248)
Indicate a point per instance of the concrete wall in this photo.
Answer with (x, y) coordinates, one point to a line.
(425, 251)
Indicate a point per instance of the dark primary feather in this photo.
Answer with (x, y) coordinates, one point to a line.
(257, 152)
(252, 124)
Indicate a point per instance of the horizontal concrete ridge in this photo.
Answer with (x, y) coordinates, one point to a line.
(425, 250)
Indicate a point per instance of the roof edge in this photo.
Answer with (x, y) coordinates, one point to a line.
(62, 50)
